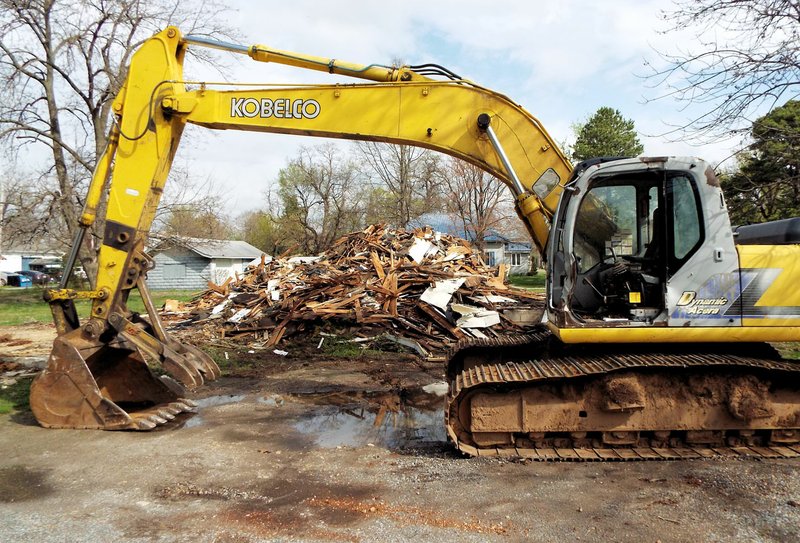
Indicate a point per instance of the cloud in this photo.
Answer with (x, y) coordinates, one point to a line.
(560, 60)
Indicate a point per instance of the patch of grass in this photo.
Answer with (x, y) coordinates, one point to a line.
(790, 351)
(236, 360)
(24, 305)
(218, 356)
(21, 305)
(528, 281)
(341, 349)
(15, 397)
(346, 349)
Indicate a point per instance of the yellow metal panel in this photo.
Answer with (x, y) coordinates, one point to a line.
(438, 115)
(783, 291)
(776, 321)
(679, 334)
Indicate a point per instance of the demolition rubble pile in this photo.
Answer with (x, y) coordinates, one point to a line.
(419, 288)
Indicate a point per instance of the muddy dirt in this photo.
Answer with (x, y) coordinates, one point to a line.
(27, 341)
(310, 447)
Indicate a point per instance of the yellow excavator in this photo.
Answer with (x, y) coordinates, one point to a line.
(658, 312)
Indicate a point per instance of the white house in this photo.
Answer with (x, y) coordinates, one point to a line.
(190, 263)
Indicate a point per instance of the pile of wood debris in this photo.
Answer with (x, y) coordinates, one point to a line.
(420, 288)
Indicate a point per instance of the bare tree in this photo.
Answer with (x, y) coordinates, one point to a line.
(26, 211)
(261, 229)
(184, 193)
(320, 197)
(747, 60)
(21, 212)
(191, 208)
(480, 201)
(407, 174)
(61, 65)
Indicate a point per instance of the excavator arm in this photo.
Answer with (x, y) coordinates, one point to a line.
(97, 377)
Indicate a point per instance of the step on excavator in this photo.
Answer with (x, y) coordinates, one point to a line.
(655, 342)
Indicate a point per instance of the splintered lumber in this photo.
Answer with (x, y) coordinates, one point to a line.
(376, 261)
(441, 320)
(220, 289)
(373, 281)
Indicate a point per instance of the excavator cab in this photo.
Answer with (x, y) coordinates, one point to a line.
(633, 237)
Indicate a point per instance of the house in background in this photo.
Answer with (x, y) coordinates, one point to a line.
(190, 263)
(37, 256)
(499, 249)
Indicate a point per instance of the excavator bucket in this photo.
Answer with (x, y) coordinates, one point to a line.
(108, 386)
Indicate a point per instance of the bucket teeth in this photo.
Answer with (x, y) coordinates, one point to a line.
(158, 415)
(145, 424)
(157, 419)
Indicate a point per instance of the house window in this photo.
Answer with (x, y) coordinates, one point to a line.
(491, 259)
(516, 259)
(174, 271)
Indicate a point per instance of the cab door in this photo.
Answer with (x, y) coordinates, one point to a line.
(702, 263)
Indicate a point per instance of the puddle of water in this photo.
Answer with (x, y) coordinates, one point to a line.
(440, 388)
(273, 400)
(391, 419)
(193, 420)
(357, 426)
(223, 399)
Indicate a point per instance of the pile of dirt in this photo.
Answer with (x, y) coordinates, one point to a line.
(420, 288)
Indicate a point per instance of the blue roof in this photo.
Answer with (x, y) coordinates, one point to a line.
(518, 247)
(448, 224)
(492, 236)
(440, 222)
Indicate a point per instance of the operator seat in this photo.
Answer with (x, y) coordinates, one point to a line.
(652, 253)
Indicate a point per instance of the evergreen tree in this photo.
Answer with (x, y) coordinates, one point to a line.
(606, 133)
(766, 185)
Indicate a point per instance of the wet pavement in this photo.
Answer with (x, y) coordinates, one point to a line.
(354, 450)
(355, 426)
(392, 420)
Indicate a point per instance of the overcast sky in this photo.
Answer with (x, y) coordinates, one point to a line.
(560, 60)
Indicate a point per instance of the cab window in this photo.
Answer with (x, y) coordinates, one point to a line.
(686, 227)
(606, 225)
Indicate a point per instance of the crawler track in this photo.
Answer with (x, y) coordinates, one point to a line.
(582, 371)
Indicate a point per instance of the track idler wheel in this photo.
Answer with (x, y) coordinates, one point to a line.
(89, 384)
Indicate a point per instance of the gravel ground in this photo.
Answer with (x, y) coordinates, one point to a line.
(309, 449)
